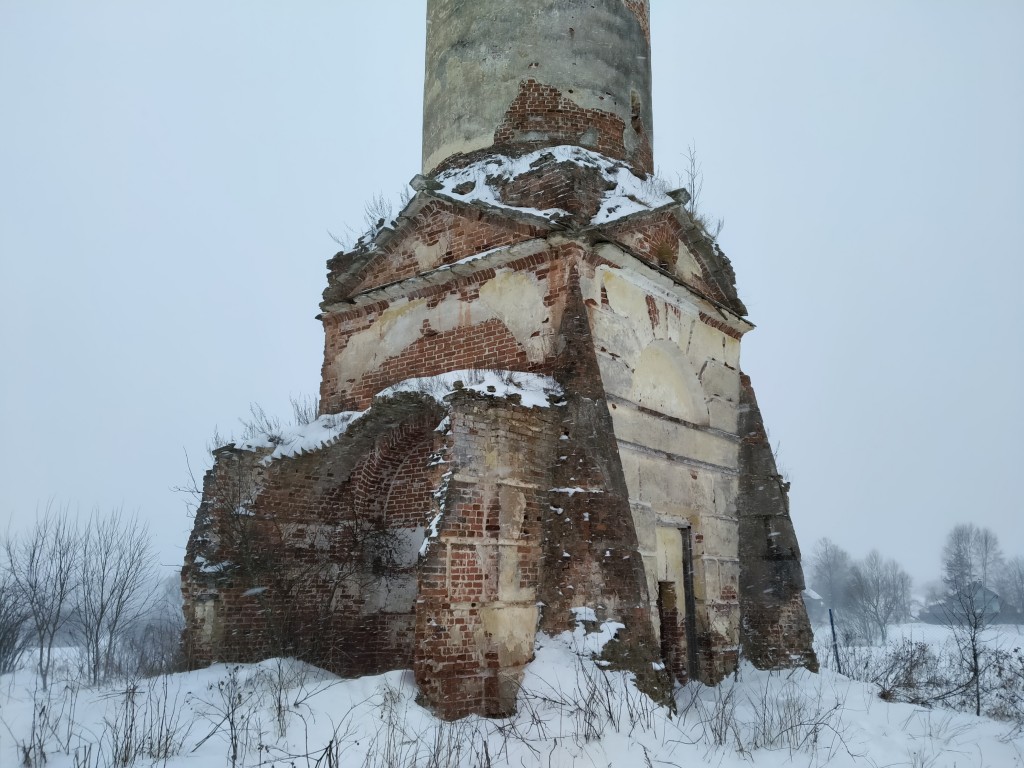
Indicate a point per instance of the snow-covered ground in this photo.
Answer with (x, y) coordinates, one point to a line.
(572, 712)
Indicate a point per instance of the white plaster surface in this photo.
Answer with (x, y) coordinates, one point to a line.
(514, 298)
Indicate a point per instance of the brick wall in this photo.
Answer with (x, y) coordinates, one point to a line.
(487, 345)
(311, 545)
(673, 632)
(775, 630)
(509, 538)
(658, 240)
(542, 116)
(439, 235)
(476, 613)
(642, 10)
(778, 635)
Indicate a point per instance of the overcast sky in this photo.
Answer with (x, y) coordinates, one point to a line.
(169, 173)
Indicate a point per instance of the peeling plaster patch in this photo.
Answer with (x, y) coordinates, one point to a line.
(517, 299)
(397, 328)
(428, 255)
(511, 630)
(625, 283)
(665, 382)
(514, 299)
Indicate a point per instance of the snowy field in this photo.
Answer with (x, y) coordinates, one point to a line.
(572, 712)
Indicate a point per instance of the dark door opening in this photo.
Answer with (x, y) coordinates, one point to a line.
(690, 620)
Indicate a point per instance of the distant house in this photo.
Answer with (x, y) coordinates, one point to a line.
(817, 611)
(979, 601)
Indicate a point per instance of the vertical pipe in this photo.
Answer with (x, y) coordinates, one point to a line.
(835, 643)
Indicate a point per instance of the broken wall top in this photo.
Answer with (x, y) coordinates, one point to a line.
(468, 213)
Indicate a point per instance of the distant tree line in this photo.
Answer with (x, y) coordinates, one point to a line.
(874, 593)
(979, 588)
(90, 585)
(870, 594)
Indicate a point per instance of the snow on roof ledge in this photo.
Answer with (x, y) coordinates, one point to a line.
(534, 391)
(302, 438)
(631, 194)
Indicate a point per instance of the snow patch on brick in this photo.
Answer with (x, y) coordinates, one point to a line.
(630, 193)
(534, 390)
(302, 438)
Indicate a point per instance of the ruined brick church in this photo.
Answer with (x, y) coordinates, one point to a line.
(532, 411)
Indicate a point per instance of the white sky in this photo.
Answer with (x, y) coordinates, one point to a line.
(169, 172)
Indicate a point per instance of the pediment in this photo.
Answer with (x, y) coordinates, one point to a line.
(431, 231)
(669, 240)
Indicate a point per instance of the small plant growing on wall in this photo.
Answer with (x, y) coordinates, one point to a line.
(693, 180)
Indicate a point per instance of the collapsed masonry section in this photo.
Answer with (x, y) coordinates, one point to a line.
(411, 537)
(312, 553)
(419, 524)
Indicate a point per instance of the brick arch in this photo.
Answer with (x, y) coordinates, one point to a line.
(394, 483)
(392, 489)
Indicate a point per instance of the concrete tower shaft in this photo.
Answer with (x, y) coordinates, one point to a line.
(519, 75)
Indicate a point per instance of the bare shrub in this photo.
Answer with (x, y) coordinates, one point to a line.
(909, 671)
(305, 409)
(261, 424)
(152, 645)
(123, 731)
(440, 745)
(718, 718)
(166, 723)
(693, 180)
(290, 684)
(830, 573)
(231, 706)
(793, 719)
(377, 212)
(43, 565)
(114, 571)
(969, 559)
(14, 619)
(148, 722)
(878, 594)
(32, 748)
(905, 670)
(52, 728)
(776, 714)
